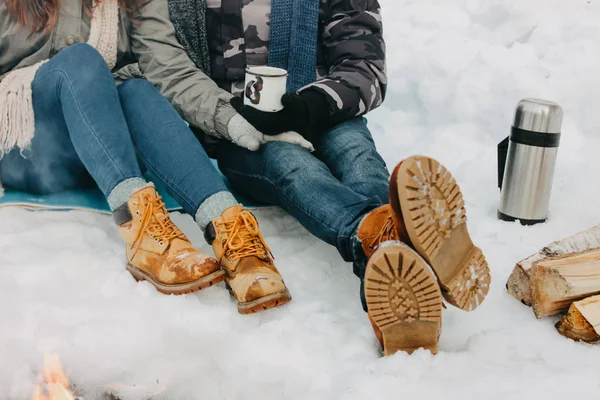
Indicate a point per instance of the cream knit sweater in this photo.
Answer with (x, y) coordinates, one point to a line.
(17, 120)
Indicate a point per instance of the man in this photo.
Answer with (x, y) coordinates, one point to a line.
(342, 192)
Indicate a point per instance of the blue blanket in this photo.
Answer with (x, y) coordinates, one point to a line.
(91, 199)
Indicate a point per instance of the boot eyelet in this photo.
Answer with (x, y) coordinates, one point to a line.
(137, 212)
(151, 237)
(161, 244)
(156, 240)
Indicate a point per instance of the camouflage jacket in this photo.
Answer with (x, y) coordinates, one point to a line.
(350, 55)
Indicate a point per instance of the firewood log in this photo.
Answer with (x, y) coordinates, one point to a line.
(519, 285)
(582, 322)
(556, 282)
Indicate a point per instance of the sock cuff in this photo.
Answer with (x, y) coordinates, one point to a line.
(213, 207)
(123, 191)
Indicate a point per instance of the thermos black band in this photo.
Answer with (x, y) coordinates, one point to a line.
(525, 222)
(536, 139)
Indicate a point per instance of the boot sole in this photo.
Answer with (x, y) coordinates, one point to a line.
(263, 303)
(183, 288)
(425, 196)
(404, 299)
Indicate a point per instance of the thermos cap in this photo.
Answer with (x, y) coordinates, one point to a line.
(538, 116)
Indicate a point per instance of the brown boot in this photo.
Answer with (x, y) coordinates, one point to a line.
(403, 299)
(251, 275)
(379, 226)
(158, 252)
(426, 199)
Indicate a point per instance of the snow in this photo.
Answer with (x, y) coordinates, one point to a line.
(457, 70)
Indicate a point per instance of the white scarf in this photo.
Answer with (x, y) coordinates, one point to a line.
(17, 120)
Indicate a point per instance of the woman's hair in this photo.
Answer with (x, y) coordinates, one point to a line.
(41, 15)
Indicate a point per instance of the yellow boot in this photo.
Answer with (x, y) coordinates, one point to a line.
(158, 252)
(251, 275)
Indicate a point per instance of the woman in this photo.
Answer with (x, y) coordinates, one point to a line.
(342, 192)
(64, 124)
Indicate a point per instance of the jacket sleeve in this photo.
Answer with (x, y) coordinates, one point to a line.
(165, 63)
(353, 45)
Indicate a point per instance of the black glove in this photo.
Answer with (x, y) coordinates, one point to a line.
(306, 113)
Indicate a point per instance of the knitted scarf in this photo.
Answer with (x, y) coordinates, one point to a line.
(17, 119)
(292, 42)
(189, 19)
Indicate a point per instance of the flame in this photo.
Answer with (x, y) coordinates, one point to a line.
(55, 381)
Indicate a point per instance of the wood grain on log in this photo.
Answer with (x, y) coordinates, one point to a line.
(556, 282)
(519, 285)
(582, 322)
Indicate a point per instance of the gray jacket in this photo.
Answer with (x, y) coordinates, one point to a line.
(150, 41)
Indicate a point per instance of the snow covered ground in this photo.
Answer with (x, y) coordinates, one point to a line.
(457, 69)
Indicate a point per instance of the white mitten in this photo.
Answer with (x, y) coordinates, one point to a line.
(290, 137)
(242, 133)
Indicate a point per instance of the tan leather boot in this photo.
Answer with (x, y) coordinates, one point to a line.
(158, 252)
(379, 227)
(403, 299)
(251, 275)
(425, 197)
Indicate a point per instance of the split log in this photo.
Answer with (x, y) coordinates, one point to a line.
(519, 282)
(556, 282)
(582, 322)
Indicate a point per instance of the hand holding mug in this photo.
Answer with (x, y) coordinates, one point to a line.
(262, 106)
(306, 113)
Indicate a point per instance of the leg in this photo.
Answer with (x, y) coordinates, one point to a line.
(50, 164)
(80, 130)
(349, 152)
(169, 149)
(95, 130)
(289, 176)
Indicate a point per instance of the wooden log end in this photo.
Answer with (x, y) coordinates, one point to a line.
(518, 285)
(557, 282)
(575, 326)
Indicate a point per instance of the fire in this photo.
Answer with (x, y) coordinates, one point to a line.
(55, 381)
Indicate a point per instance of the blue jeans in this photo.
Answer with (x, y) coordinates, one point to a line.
(88, 132)
(328, 192)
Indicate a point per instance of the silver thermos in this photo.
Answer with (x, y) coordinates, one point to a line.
(528, 165)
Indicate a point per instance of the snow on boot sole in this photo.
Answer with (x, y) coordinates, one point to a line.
(427, 198)
(184, 288)
(265, 303)
(403, 299)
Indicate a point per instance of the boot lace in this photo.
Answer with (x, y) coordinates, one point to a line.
(387, 232)
(155, 221)
(244, 239)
